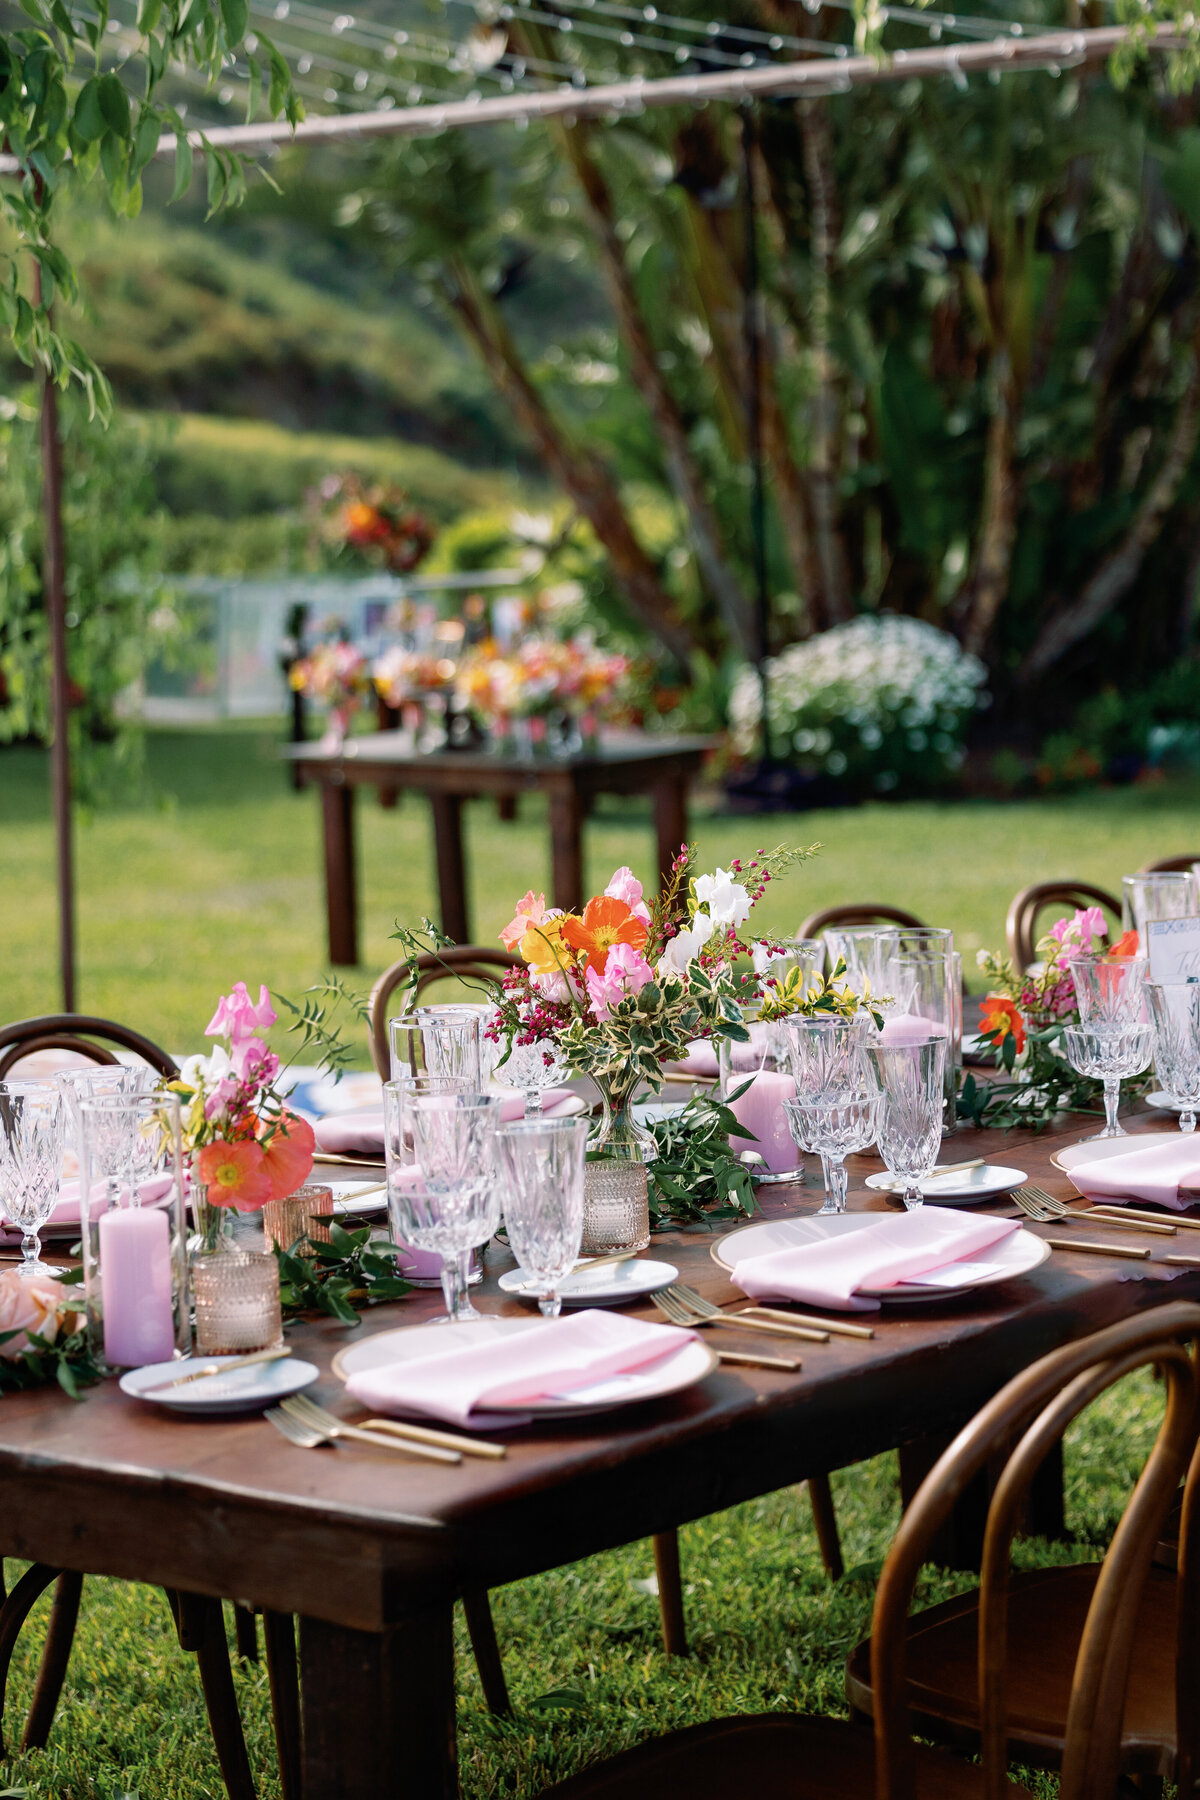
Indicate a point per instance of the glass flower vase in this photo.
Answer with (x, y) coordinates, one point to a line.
(212, 1226)
(616, 1214)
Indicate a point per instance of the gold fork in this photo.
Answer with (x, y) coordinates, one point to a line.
(703, 1311)
(1046, 1210)
(325, 1429)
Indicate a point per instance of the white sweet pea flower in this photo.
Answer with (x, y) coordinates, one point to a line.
(206, 1071)
(686, 946)
(726, 899)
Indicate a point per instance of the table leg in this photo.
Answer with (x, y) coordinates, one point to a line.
(379, 1710)
(566, 847)
(341, 874)
(670, 821)
(451, 865)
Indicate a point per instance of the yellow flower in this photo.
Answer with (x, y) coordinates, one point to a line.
(544, 948)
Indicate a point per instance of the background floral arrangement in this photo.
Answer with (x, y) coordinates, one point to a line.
(878, 703)
(540, 676)
(372, 521)
(335, 673)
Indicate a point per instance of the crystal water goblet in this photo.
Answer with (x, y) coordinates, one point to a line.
(534, 1068)
(826, 1053)
(912, 1080)
(447, 1199)
(835, 1128)
(1175, 1016)
(1110, 991)
(33, 1136)
(1109, 1053)
(543, 1162)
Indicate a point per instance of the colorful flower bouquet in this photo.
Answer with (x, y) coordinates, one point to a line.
(1023, 1018)
(335, 673)
(373, 521)
(542, 692)
(244, 1146)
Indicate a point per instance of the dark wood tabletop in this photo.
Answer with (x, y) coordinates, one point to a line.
(622, 763)
(371, 1549)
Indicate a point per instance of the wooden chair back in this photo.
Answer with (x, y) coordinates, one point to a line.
(1018, 1428)
(1171, 865)
(75, 1031)
(464, 962)
(1031, 902)
(846, 917)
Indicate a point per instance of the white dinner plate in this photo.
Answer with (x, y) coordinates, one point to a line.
(1163, 1102)
(243, 1390)
(1015, 1255)
(1096, 1149)
(412, 1342)
(970, 1187)
(611, 1286)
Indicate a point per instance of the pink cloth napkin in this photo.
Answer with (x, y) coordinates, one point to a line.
(361, 1133)
(66, 1207)
(1154, 1171)
(880, 1255)
(555, 1357)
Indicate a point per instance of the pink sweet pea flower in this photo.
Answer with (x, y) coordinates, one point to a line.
(238, 1018)
(216, 1106)
(530, 911)
(255, 1063)
(1075, 934)
(626, 973)
(626, 886)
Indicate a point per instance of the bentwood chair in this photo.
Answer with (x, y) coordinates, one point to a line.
(1046, 1621)
(1031, 903)
(1171, 865)
(463, 962)
(199, 1620)
(830, 1759)
(845, 918)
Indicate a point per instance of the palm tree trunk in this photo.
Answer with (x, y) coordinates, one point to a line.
(582, 475)
(1117, 574)
(683, 473)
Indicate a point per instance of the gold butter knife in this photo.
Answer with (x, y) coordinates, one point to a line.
(213, 1368)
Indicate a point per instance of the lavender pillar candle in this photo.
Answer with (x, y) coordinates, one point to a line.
(135, 1286)
(760, 1111)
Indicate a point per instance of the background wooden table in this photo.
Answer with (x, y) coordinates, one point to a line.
(629, 764)
(372, 1550)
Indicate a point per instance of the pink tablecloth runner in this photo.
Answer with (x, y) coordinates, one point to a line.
(552, 1358)
(879, 1255)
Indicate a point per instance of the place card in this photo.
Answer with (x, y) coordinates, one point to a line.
(1173, 949)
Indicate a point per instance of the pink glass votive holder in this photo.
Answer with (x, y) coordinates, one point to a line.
(236, 1294)
(298, 1216)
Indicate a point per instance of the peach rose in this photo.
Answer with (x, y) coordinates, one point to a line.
(29, 1303)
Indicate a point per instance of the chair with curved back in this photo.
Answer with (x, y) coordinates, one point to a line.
(1171, 865)
(1045, 1619)
(199, 1620)
(480, 962)
(827, 1759)
(1031, 902)
(845, 918)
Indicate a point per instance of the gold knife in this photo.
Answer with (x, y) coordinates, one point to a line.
(213, 1368)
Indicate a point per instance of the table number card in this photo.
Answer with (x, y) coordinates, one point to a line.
(1173, 948)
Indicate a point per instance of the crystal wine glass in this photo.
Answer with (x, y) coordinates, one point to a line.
(1175, 1015)
(835, 1128)
(533, 1068)
(1110, 990)
(447, 1200)
(33, 1131)
(1109, 1053)
(912, 1078)
(543, 1161)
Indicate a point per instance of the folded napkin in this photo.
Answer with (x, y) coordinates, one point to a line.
(1156, 1170)
(880, 1255)
(361, 1133)
(555, 1357)
(66, 1207)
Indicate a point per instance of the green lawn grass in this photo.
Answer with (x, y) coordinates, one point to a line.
(213, 875)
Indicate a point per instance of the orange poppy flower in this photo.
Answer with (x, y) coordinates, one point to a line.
(1125, 946)
(605, 922)
(1000, 1019)
(235, 1174)
(288, 1154)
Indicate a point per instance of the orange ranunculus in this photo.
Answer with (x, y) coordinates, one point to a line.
(288, 1155)
(999, 1019)
(1125, 946)
(235, 1174)
(605, 922)
(546, 947)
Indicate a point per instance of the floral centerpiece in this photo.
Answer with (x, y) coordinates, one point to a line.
(335, 673)
(243, 1144)
(1023, 1018)
(373, 521)
(540, 685)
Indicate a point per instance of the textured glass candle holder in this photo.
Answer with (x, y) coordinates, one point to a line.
(616, 1213)
(285, 1222)
(236, 1293)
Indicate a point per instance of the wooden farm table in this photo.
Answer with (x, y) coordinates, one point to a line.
(629, 764)
(371, 1550)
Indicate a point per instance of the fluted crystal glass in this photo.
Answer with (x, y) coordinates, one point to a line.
(835, 1128)
(33, 1141)
(1175, 1016)
(1110, 991)
(447, 1200)
(543, 1164)
(533, 1068)
(1109, 1053)
(912, 1079)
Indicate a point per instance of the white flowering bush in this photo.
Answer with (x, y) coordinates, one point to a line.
(879, 703)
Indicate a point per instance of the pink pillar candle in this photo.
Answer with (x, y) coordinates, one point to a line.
(135, 1286)
(910, 1028)
(415, 1265)
(760, 1111)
